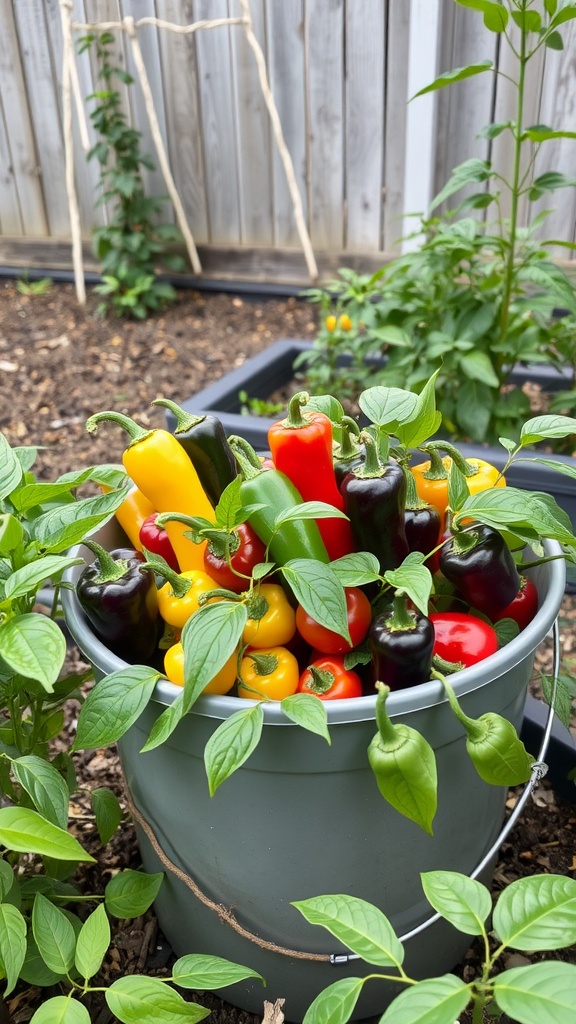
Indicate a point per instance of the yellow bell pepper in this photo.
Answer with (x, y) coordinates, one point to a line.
(180, 596)
(432, 479)
(158, 465)
(222, 682)
(271, 618)
(271, 673)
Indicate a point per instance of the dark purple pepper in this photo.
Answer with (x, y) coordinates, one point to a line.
(204, 440)
(480, 565)
(401, 643)
(119, 599)
(374, 499)
(421, 520)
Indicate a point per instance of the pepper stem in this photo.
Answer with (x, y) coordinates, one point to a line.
(372, 466)
(180, 585)
(111, 569)
(436, 469)
(385, 728)
(264, 664)
(400, 618)
(413, 499)
(474, 729)
(185, 421)
(246, 457)
(134, 430)
(295, 420)
(348, 449)
(321, 679)
(467, 468)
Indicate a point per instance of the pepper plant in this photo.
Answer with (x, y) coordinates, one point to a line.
(132, 244)
(476, 297)
(532, 914)
(43, 942)
(399, 423)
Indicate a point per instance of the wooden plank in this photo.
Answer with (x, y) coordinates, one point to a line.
(218, 122)
(464, 108)
(285, 24)
(253, 130)
(397, 45)
(325, 73)
(557, 110)
(44, 109)
(183, 125)
(10, 219)
(364, 156)
(23, 156)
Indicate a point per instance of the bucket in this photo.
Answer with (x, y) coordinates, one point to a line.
(301, 819)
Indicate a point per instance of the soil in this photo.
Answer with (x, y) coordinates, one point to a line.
(58, 364)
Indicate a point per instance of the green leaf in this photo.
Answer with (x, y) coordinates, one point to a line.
(537, 913)
(53, 934)
(387, 407)
(566, 13)
(425, 418)
(12, 944)
(25, 580)
(542, 993)
(528, 21)
(551, 180)
(511, 509)
(61, 1010)
(561, 693)
(474, 407)
(231, 745)
(554, 41)
(457, 487)
(107, 812)
(456, 75)
(308, 510)
(541, 427)
(45, 786)
(434, 1001)
(335, 1004)
(330, 406)
(25, 831)
(560, 467)
(11, 533)
(541, 133)
(130, 893)
(64, 526)
(506, 631)
(357, 569)
(229, 506)
(7, 879)
(33, 646)
(477, 365)
(462, 901)
(359, 925)
(10, 468)
(468, 173)
(92, 943)
(414, 578)
(495, 14)
(138, 1000)
(309, 712)
(113, 705)
(204, 973)
(317, 588)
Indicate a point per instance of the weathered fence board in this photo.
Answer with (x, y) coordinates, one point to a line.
(341, 73)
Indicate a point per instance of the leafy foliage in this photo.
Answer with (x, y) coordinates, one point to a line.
(133, 242)
(477, 297)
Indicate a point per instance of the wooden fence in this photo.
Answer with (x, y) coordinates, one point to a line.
(341, 72)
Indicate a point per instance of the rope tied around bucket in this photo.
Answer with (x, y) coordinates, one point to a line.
(224, 913)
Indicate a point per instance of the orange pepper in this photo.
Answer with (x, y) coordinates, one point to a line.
(432, 480)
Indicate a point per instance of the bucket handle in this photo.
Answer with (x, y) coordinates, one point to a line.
(539, 769)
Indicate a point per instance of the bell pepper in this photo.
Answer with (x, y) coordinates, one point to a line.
(203, 438)
(401, 643)
(349, 453)
(271, 618)
(222, 682)
(275, 493)
(461, 640)
(359, 613)
(154, 538)
(181, 595)
(162, 470)
(523, 607)
(301, 447)
(374, 499)
(268, 674)
(421, 522)
(432, 477)
(117, 593)
(479, 563)
(328, 679)
(230, 557)
(132, 513)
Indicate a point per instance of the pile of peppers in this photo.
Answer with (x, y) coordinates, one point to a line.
(181, 555)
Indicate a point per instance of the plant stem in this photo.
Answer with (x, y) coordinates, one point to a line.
(515, 190)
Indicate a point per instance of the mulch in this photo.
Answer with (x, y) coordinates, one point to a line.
(60, 363)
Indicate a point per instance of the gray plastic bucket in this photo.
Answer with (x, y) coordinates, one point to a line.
(302, 818)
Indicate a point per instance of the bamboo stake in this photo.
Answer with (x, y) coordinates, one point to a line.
(75, 228)
(159, 144)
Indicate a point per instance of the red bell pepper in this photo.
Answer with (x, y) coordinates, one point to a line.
(523, 607)
(155, 539)
(229, 557)
(461, 639)
(328, 679)
(301, 447)
(359, 613)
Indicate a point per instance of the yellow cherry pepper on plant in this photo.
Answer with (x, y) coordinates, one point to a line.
(222, 682)
(271, 673)
(181, 595)
(157, 463)
(271, 618)
(432, 477)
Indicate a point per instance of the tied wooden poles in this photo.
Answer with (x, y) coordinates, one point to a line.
(70, 87)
